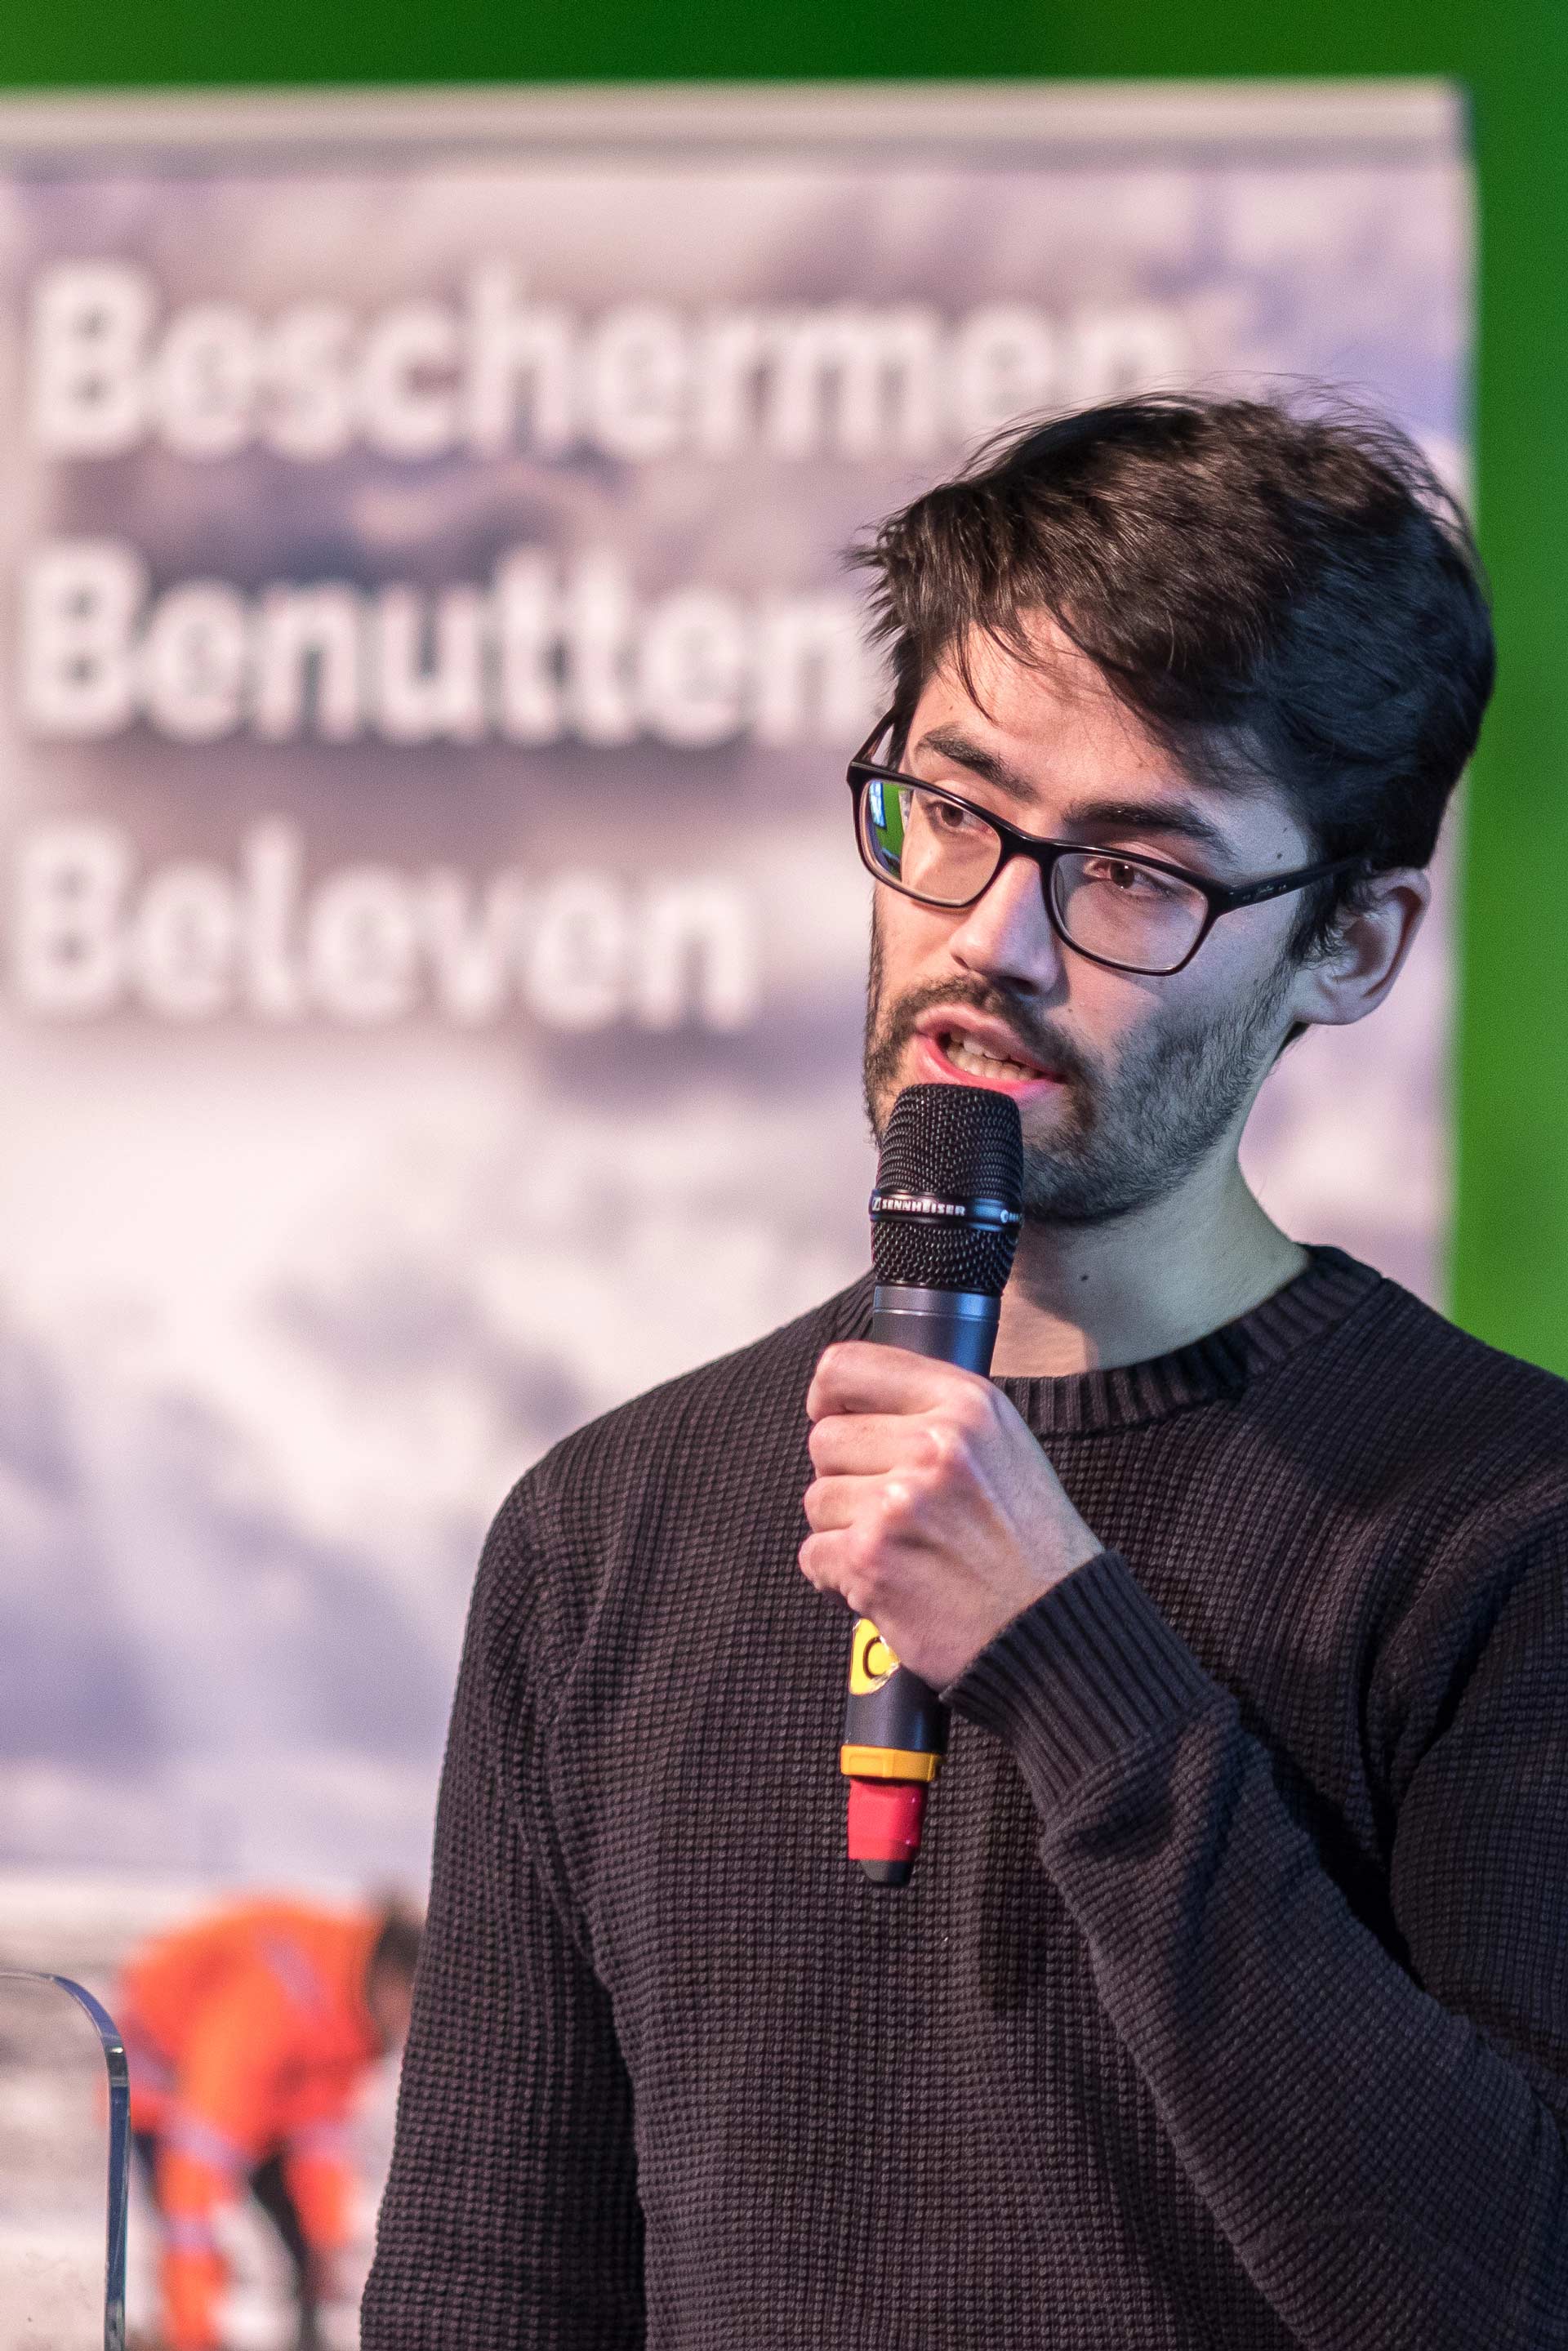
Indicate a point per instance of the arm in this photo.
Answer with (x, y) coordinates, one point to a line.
(510, 2221)
(1382, 2144)
(1388, 2160)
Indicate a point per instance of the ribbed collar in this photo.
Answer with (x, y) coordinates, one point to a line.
(1218, 1366)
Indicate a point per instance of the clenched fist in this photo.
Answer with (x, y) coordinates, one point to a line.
(934, 1510)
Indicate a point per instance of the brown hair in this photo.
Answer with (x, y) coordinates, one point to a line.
(1291, 597)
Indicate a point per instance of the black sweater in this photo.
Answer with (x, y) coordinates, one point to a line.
(1229, 2006)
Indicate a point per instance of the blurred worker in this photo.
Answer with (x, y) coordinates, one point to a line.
(249, 2032)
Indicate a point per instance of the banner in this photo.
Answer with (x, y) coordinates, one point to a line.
(433, 941)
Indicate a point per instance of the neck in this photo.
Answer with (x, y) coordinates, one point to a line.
(1082, 1297)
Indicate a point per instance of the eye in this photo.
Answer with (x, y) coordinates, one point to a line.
(1119, 876)
(945, 816)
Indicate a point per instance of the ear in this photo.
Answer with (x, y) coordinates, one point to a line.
(1351, 976)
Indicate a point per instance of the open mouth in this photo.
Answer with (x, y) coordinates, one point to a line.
(968, 1058)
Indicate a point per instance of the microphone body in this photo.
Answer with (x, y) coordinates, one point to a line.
(944, 1221)
(957, 1326)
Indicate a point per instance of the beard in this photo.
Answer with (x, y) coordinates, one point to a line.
(1121, 1136)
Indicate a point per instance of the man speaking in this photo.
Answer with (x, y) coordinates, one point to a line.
(1228, 2007)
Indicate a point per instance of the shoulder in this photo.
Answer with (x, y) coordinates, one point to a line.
(676, 1445)
(1465, 1448)
(1478, 1426)
(688, 1426)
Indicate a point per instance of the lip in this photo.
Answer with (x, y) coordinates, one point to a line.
(933, 1065)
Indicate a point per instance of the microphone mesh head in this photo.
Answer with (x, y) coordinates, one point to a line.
(948, 1143)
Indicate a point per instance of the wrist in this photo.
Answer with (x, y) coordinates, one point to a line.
(1090, 1672)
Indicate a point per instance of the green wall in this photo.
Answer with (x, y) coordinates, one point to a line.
(1510, 1263)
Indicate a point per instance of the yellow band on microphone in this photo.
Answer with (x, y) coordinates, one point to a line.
(887, 1763)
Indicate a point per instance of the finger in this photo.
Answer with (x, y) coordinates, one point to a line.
(856, 1376)
(825, 1561)
(862, 1443)
(831, 1503)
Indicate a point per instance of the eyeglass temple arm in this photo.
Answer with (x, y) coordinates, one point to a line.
(1253, 893)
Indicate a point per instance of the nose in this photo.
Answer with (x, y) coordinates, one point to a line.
(1006, 935)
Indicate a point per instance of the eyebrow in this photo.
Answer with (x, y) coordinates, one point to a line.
(1178, 818)
(951, 744)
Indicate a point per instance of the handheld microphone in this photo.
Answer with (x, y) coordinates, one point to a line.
(944, 1221)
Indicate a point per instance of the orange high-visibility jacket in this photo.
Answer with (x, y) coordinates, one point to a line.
(247, 2035)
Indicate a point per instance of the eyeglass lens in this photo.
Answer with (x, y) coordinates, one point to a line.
(1110, 906)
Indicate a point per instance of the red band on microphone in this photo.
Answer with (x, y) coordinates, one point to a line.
(886, 1816)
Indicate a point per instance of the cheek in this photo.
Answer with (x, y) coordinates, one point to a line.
(1128, 1029)
(1108, 1014)
(909, 945)
(1242, 968)
(1219, 1007)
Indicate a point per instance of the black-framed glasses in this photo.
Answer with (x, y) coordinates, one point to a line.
(1130, 913)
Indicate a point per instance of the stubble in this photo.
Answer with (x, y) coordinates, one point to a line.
(1120, 1136)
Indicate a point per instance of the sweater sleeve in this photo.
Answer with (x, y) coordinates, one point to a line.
(1383, 2144)
(510, 2221)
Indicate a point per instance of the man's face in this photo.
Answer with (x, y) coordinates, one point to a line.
(1124, 1083)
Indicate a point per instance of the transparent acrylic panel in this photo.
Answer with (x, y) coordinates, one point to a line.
(64, 2132)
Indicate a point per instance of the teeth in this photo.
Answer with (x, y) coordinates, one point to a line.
(964, 1054)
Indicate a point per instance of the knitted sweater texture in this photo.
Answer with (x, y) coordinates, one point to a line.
(1227, 2009)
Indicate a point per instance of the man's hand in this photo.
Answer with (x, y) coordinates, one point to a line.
(934, 1511)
